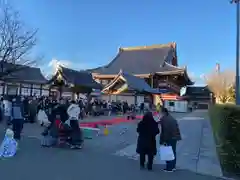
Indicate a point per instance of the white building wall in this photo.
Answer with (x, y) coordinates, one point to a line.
(176, 105)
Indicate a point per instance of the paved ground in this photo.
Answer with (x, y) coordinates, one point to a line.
(196, 152)
(33, 162)
(98, 159)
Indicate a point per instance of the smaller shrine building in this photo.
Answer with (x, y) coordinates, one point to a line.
(71, 83)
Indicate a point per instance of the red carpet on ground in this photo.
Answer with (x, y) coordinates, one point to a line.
(108, 122)
(104, 122)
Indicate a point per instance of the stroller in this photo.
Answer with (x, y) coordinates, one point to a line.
(63, 133)
(70, 134)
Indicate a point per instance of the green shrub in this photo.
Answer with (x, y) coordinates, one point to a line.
(225, 121)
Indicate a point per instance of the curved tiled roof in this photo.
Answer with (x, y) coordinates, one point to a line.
(134, 83)
(80, 78)
(22, 73)
(139, 60)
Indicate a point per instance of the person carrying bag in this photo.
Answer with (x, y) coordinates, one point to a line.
(166, 153)
(170, 135)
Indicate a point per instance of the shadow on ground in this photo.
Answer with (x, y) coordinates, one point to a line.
(34, 162)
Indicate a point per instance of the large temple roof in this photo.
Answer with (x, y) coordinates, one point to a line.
(141, 60)
(79, 78)
(21, 73)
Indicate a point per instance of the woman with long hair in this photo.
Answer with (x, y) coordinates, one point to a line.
(146, 146)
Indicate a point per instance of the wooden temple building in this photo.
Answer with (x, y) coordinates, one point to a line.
(71, 83)
(135, 75)
(22, 80)
(157, 65)
(199, 97)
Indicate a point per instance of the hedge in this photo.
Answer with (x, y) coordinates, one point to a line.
(225, 120)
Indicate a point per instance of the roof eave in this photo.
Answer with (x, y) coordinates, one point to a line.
(174, 72)
(95, 75)
(190, 82)
(111, 84)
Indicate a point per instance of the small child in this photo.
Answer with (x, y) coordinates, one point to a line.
(9, 146)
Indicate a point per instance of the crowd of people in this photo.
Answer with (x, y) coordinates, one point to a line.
(61, 123)
(31, 106)
(15, 111)
(59, 117)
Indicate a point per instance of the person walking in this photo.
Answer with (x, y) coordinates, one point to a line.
(142, 108)
(170, 135)
(7, 107)
(17, 118)
(146, 145)
(1, 109)
(109, 107)
(33, 109)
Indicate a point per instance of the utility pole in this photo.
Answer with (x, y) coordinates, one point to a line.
(237, 89)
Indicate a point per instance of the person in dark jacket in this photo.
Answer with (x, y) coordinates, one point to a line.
(17, 118)
(170, 134)
(62, 111)
(26, 108)
(59, 109)
(146, 144)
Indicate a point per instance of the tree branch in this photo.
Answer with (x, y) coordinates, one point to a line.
(16, 42)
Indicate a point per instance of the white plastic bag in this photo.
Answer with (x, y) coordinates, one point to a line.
(166, 153)
(42, 118)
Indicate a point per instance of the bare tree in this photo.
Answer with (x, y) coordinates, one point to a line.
(221, 83)
(16, 42)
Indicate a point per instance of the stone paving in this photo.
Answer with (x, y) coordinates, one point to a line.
(33, 162)
(196, 152)
(98, 159)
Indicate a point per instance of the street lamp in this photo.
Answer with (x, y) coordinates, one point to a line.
(237, 90)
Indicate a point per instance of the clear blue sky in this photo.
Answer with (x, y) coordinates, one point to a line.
(89, 32)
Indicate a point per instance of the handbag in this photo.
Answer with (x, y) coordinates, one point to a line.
(166, 153)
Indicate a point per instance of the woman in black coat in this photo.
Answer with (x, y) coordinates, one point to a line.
(146, 145)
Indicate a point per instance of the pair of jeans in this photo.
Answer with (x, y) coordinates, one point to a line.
(170, 165)
(143, 159)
